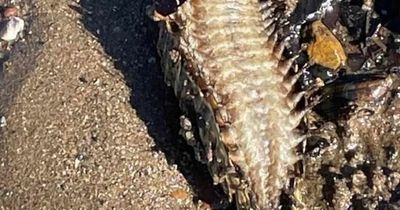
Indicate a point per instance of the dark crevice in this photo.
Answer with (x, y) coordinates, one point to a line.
(130, 37)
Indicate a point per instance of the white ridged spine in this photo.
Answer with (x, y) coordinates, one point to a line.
(230, 42)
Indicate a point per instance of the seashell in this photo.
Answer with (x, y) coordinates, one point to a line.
(325, 49)
(12, 29)
(363, 94)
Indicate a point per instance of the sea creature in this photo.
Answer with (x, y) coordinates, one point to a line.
(224, 61)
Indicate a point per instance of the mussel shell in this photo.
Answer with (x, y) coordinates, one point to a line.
(341, 96)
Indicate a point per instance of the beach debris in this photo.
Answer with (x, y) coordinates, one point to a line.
(12, 29)
(3, 122)
(325, 49)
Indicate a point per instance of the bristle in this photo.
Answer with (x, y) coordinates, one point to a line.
(296, 117)
(294, 99)
(285, 65)
(296, 141)
(269, 31)
(291, 81)
(285, 108)
(278, 49)
(268, 21)
(266, 7)
(291, 160)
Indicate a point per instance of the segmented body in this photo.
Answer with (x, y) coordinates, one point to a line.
(224, 62)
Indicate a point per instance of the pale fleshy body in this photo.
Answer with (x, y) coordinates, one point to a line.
(232, 71)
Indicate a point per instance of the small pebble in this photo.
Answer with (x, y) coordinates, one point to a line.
(3, 122)
(319, 82)
(151, 60)
(77, 162)
(10, 11)
(180, 194)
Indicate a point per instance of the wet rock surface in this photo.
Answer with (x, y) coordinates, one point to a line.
(349, 159)
(86, 124)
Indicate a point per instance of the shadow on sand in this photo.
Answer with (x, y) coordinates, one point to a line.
(129, 37)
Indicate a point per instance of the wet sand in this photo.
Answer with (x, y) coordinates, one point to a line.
(87, 127)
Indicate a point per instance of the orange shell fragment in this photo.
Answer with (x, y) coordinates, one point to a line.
(325, 49)
(180, 194)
